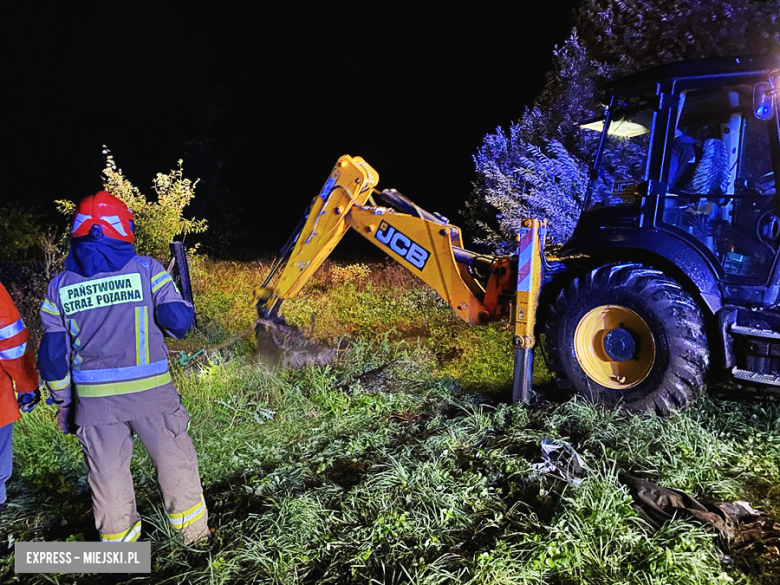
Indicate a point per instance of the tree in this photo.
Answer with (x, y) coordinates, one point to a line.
(539, 167)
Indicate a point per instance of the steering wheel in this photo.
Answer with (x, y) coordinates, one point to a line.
(763, 185)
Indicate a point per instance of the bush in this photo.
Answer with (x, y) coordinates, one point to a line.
(20, 233)
(157, 223)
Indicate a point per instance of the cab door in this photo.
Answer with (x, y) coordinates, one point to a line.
(720, 181)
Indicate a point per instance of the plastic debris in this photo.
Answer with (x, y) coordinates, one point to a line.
(561, 461)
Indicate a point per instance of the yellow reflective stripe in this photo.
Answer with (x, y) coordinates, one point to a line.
(137, 338)
(157, 286)
(129, 535)
(158, 275)
(74, 331)
(146, 336)
(195, 518)
(194, 508)
(59, 384)
(49, 307)
(129, 387)
(141, 336)
(180, 520)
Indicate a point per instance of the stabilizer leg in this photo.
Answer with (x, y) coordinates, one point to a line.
(530, 265)
(523, 372)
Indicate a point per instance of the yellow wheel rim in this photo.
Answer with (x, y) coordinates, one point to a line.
(593, 358)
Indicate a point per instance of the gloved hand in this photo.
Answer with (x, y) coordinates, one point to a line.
(27, 401)
(65, 421)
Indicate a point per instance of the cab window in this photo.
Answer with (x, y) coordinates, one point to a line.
(720, 182)
(622, 167)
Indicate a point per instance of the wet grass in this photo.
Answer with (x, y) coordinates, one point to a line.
(395, 466)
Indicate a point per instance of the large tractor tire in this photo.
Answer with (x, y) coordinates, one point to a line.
(628, 335)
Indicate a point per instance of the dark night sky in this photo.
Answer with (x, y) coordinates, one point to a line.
(260, 107)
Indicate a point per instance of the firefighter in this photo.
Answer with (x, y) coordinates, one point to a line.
(17, 368)
(105, 363)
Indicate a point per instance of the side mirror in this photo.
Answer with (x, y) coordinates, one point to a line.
(763, 101)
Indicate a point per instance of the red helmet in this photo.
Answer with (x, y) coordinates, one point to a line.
(104, 210)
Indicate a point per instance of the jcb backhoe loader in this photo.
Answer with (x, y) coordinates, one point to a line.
(671, 276)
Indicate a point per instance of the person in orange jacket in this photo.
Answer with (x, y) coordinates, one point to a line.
(17, 369)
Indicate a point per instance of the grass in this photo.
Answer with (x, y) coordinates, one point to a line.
(403, 463)
(359, 301)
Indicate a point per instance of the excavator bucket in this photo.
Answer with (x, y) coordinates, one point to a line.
(283, 346)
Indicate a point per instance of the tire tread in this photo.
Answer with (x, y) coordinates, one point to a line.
(685, 379)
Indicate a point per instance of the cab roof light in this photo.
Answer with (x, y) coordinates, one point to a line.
(621, 128)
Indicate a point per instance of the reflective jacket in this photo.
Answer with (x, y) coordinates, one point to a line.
(103, 346)
(17, 360)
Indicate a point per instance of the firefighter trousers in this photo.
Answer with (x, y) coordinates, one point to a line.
(108, 450)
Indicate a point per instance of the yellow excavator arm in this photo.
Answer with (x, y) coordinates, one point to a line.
(480, 288)
(425, 244)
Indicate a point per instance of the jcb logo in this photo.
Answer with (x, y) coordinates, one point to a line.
(623, 187)
(415, 254)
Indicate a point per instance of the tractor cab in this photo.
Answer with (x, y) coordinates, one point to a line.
(675, 255)
(685, 175)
